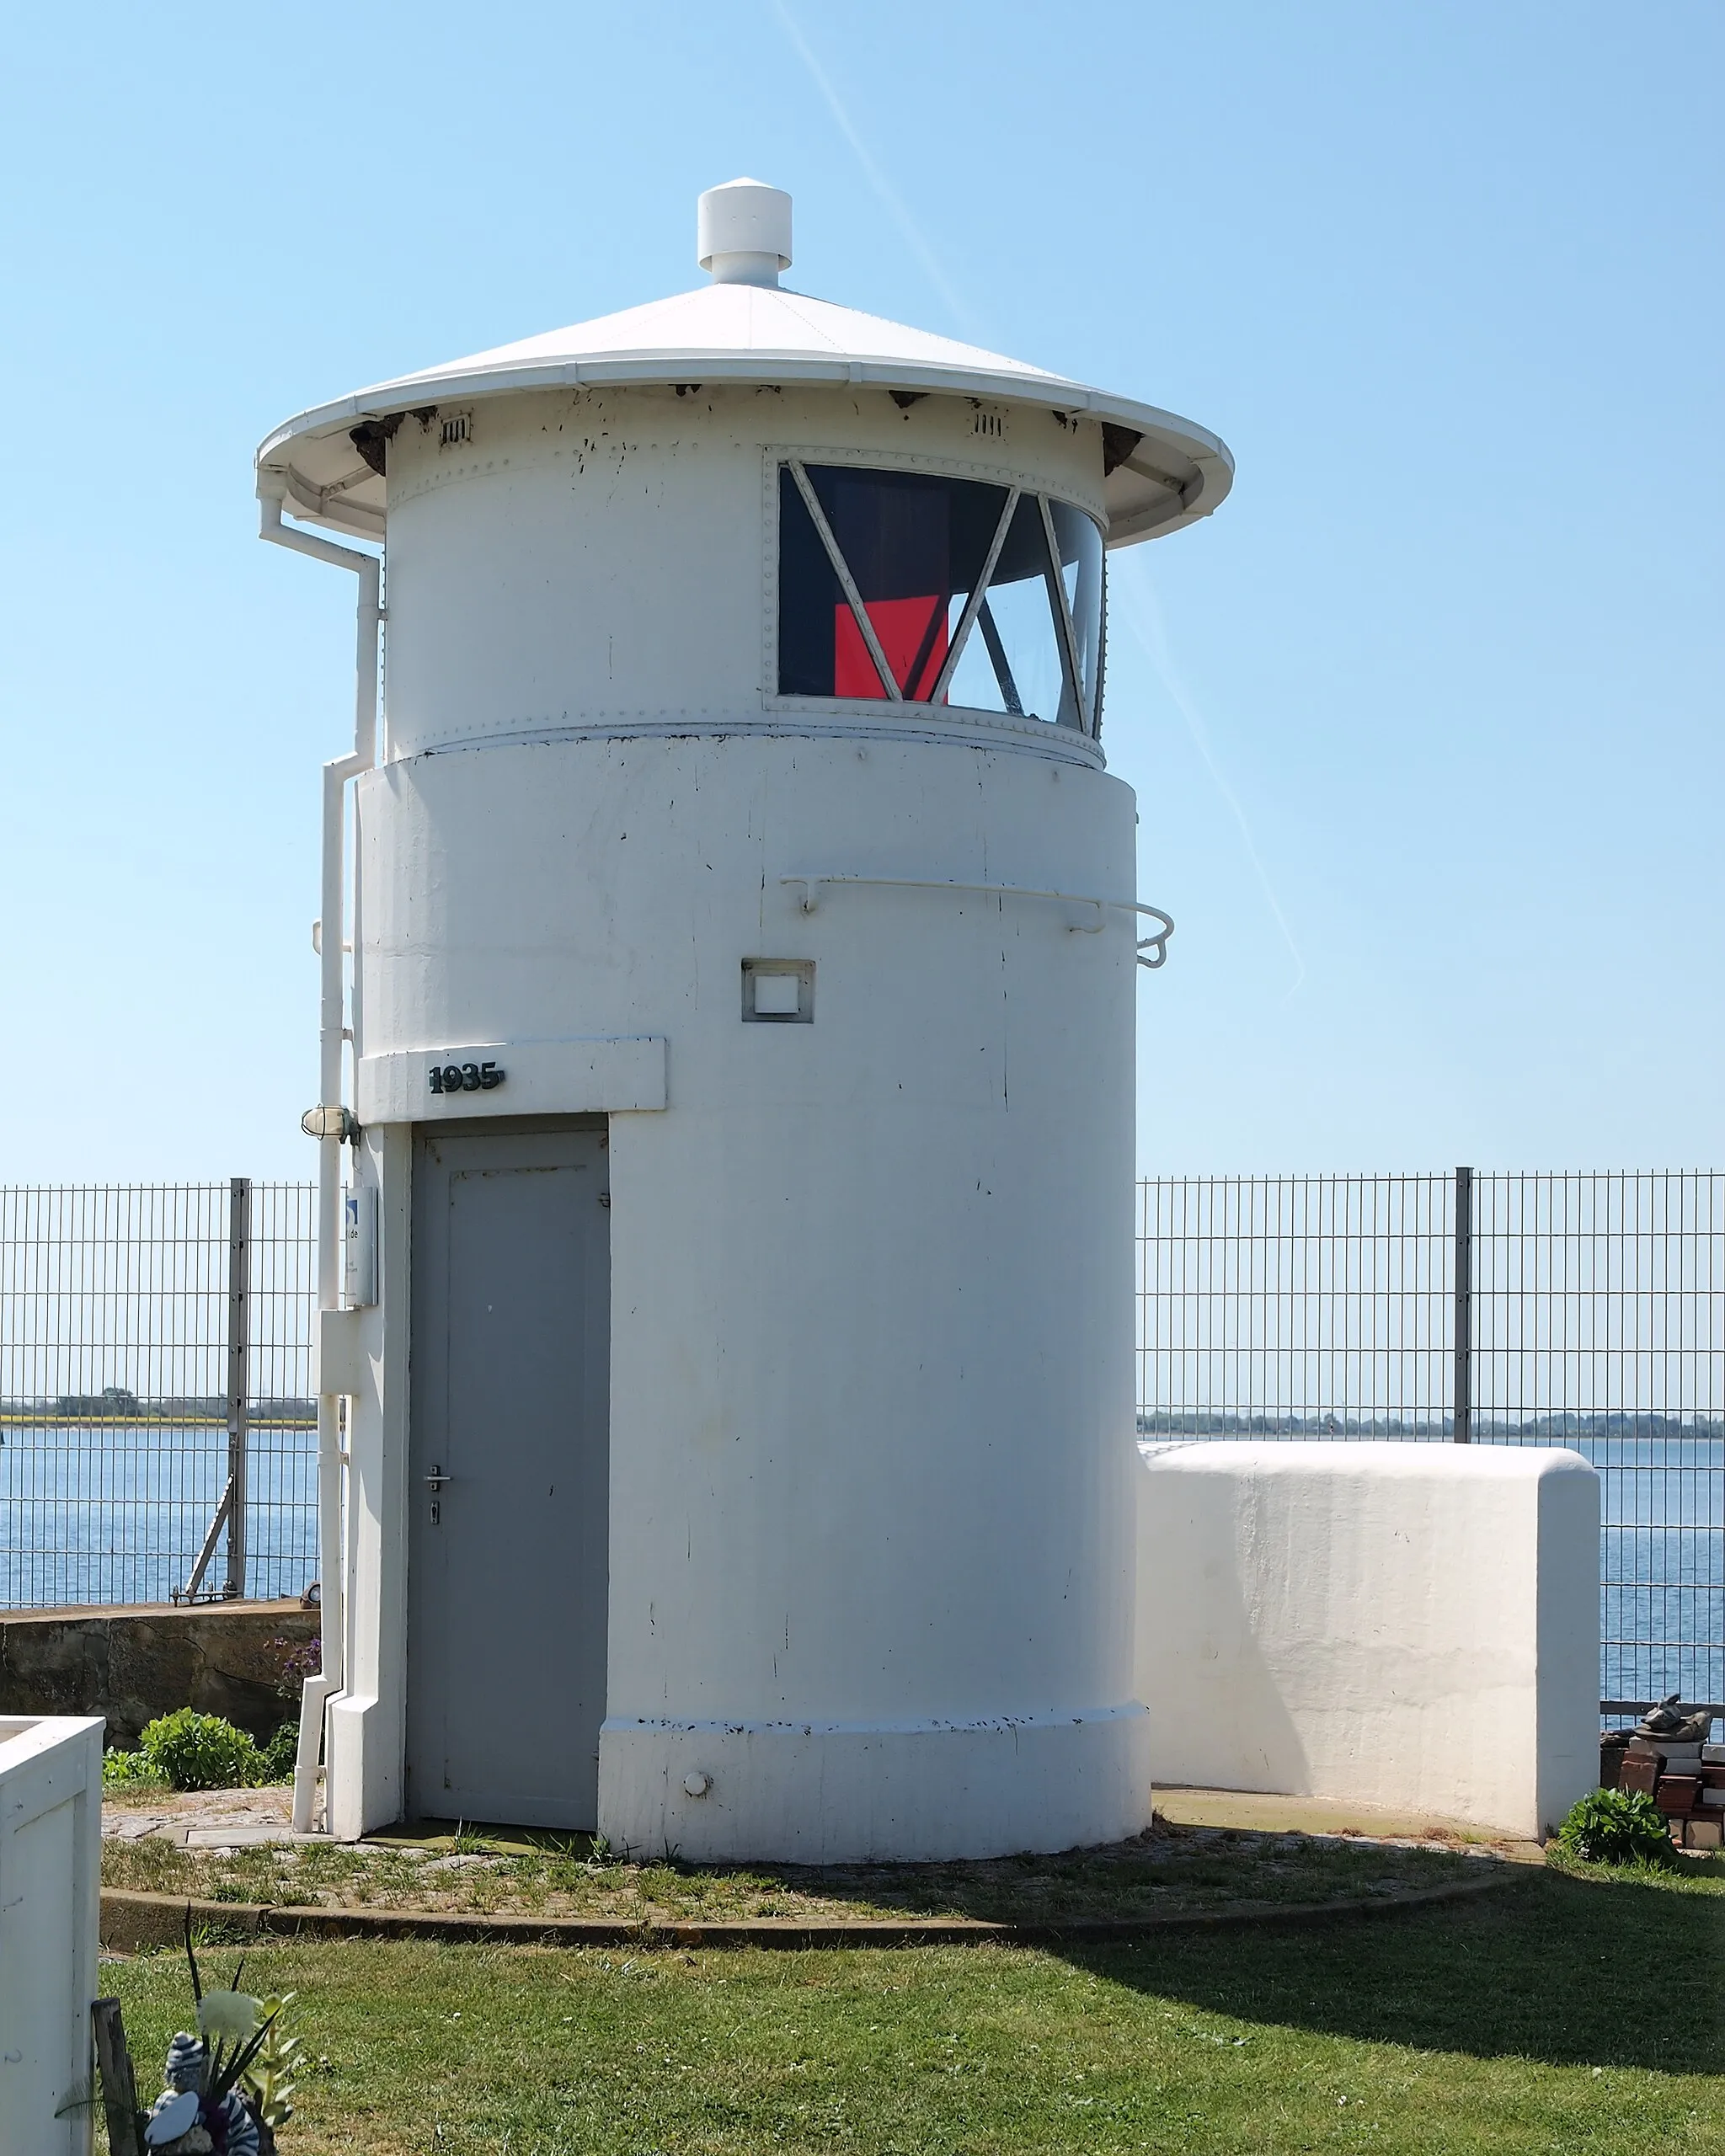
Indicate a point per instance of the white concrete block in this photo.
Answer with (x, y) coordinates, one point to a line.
(1413, 1626)
(520, 1077)
(50, 1874)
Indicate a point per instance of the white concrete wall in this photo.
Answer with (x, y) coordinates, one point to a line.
(1412, 1626)
(50, 1874)
(872, 1440)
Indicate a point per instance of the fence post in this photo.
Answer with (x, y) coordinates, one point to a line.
(239, 1297)
(1463, 1420)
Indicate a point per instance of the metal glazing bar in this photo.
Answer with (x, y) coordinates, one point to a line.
(997, 659)
(842, 570)
(973, 605)
(1062, 617)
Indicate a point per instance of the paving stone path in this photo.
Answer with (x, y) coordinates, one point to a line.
(205, 1819)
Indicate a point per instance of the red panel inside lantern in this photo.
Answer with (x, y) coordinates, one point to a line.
(913, 636)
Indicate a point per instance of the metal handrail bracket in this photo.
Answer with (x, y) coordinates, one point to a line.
(813, 884)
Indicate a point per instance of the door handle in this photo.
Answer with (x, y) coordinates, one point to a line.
(436, 1479)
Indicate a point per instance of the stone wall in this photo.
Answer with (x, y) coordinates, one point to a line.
(132, 1663)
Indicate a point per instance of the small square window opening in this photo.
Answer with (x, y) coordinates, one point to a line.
(778, 991)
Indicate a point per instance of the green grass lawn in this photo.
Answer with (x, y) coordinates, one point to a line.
(1576, 2012)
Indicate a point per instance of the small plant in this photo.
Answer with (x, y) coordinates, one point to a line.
(297, 1664)
(1615, 1826)
(280, 1753)
(556, 1842)
(129, 1770)
(193, 1751)
(267, 2081)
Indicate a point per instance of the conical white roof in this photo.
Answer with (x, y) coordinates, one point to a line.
(1169, 471)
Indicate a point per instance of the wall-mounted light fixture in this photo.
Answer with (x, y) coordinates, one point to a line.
(331, 1121)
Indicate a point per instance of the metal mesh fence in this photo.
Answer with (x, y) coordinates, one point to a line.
(114, 1374)
(1579, 1309)
(1553, 1309)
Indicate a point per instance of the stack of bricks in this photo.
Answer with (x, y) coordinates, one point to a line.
(1685, 1780)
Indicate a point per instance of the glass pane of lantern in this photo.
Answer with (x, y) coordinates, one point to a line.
(1081, 551)
(809, 590)
(1011, 661)
(914, 543)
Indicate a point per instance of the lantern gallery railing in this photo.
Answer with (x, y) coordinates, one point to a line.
(145, 1372)
(908, 587)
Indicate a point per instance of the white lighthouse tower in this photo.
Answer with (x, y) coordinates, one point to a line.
(736, 1334)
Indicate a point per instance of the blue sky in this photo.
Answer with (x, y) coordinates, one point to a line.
(1424, 724)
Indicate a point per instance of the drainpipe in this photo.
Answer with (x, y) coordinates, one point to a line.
(332, 1557)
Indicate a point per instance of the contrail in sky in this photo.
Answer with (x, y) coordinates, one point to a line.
(876, 178)
(1143, 612)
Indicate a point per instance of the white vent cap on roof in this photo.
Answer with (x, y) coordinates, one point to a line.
(743, 232)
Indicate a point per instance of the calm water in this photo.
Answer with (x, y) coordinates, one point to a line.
(117, 1512)
(91, 1512)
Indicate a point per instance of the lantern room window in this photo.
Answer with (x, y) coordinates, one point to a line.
(907, 587)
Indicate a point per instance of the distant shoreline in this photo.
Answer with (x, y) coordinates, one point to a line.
(300, 1417)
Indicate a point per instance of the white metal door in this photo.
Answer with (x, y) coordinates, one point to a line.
(508, 1554)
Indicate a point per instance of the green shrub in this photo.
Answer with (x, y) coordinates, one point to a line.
(1615, 1826)
(188, 1750)
(129, 1770)
(193, 1751)
(280, 1753)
